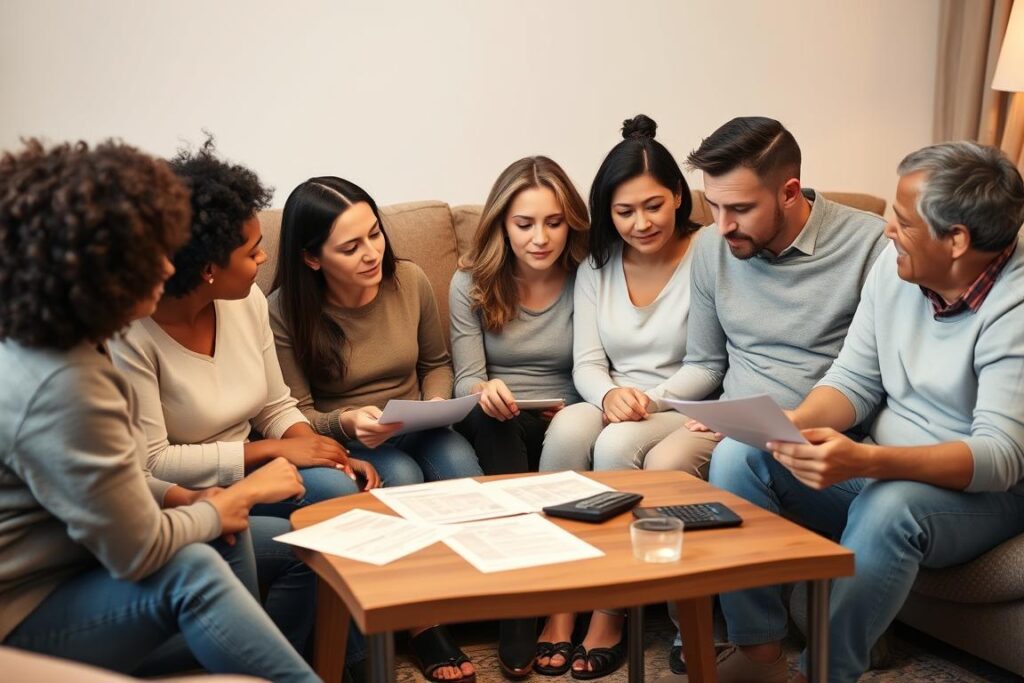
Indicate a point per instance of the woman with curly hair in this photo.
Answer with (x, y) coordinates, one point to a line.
(356, 327)
(99, 561)
(511, 331)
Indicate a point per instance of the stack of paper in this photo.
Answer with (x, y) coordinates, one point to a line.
(516, 542)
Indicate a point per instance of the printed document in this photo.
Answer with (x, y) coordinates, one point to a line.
(366, 536)
(548, 489)
(755, 420)
(419, 415)
(516, 542)
(449, 502)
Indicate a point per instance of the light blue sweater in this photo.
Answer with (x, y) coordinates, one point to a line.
(934, 381)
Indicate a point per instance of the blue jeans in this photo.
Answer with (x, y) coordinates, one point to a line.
(115, 624)
(893, 528)
(429, 455)
(322, 483)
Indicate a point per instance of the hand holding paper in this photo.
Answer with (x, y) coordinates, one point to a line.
(419, 415)
(754, 420)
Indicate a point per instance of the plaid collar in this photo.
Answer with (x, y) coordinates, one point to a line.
(973, 296)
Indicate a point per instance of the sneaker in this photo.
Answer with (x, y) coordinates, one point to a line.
(735, 667)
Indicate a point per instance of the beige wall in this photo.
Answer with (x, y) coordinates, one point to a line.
(431, 99)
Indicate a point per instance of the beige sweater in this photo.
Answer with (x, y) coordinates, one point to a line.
(73, 491)
(394, 348)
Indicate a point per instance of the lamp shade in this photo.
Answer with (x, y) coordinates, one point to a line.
(1010, 68)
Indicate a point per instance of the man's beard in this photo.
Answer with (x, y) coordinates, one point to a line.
(754, 247)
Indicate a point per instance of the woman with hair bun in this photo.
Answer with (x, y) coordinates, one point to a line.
(632, 297)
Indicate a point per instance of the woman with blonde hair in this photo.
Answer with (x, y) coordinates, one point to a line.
(511, 306)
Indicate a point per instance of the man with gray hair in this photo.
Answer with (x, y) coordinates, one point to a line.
(934, 358)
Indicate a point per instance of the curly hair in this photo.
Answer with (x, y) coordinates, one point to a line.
(224, 197)
(83, 235)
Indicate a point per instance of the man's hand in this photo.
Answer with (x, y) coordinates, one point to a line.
(496, 400)
(365, 424)
(830, 458)
(625, 404)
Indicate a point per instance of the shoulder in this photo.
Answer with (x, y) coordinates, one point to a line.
(250, 313)
(135, 341)
(410, 277)
(274, 310)
(462, 281)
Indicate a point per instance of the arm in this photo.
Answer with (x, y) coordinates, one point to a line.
(434, 367)
(191, 465)
(590, 370)
(468, 354)
(77, 454)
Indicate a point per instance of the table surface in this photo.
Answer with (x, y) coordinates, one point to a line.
(435, 585)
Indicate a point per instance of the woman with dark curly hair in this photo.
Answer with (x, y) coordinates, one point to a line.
(84, 238)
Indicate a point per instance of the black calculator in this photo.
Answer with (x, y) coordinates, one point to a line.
(596, 508)
(695, 516)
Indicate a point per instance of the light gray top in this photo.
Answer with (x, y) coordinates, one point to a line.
(773, 325)
(618, 344)
(532, 353)
(939, 380)
(198, 410)
(73, 490)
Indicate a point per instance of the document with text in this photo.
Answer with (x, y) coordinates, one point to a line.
(449, 502)
(547, 489)
(366, 536)
(419, 415)
(754, 420)
(499, 545)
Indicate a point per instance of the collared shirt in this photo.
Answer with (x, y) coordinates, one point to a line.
(808, 237)
(973, 296)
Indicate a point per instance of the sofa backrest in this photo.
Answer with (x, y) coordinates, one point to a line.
(434, 235)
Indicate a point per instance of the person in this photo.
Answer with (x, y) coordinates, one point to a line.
(932, 363)
(511, 332)
(759, 322)
(629, 336)
(354, 328)
(100, 562)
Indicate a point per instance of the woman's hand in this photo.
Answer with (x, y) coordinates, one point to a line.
(496, 400)
(367, 471)
(275, 481)
(625, 404)
(364, 424)
(549, 414)
(312, 450)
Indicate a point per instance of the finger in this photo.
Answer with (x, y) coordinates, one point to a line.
(229, 539)
(502, 403)
(819, 434)
(373, 411)
(509, 400)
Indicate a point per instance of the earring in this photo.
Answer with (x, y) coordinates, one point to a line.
(210, 280)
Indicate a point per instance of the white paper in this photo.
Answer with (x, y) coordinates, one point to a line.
(366, 536)
(418, 415)
(449, 502)
(548, 489)
(539, 403)
(754, 420)
(517, 542)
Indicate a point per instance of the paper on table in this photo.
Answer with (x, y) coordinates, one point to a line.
(366, 536)
(548, 489)
(513, 543)
(754, 420)
(417, 415)
(539, 403)
(449, 502)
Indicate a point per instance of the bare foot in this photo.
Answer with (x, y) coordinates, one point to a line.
(557, 629)
(605, 631)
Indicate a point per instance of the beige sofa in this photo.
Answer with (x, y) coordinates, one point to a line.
(978, 607)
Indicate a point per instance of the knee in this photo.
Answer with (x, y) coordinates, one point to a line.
(324, 483)
(400, 471)
(885, 509)
(733, 463)
(198, 564)
(616, 448)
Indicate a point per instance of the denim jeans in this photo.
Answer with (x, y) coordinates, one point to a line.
(428, 455)
(115, 624)
(322, 483)
(893, 528)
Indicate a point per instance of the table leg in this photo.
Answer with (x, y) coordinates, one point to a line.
(817, 631)
(330, 633)
(636, 644)
(697, 629)
(382, 657)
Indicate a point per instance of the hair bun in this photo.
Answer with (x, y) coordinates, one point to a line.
(640, 126)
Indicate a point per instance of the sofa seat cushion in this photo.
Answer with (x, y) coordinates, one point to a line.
(996, 576)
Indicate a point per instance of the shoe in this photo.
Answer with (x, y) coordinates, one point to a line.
(546, 649)
(517, 647)
(675, 660)
(735, 667)
(433, 649)
(603, 660)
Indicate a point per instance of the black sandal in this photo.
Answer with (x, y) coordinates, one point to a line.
(433, 649)
(549, 650)
(516, 647)
(602, 660)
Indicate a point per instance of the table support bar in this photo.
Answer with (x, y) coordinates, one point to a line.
(636, 644)
(382, 657)
(817, 635)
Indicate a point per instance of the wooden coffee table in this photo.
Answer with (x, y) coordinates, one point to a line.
(435, 585)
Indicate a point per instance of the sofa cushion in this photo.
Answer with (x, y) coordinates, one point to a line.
(996, 576)
(466, 218)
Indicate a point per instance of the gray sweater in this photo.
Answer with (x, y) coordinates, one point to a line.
(73, 491)
(939, 380)
(774, 324)
(532, 354)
